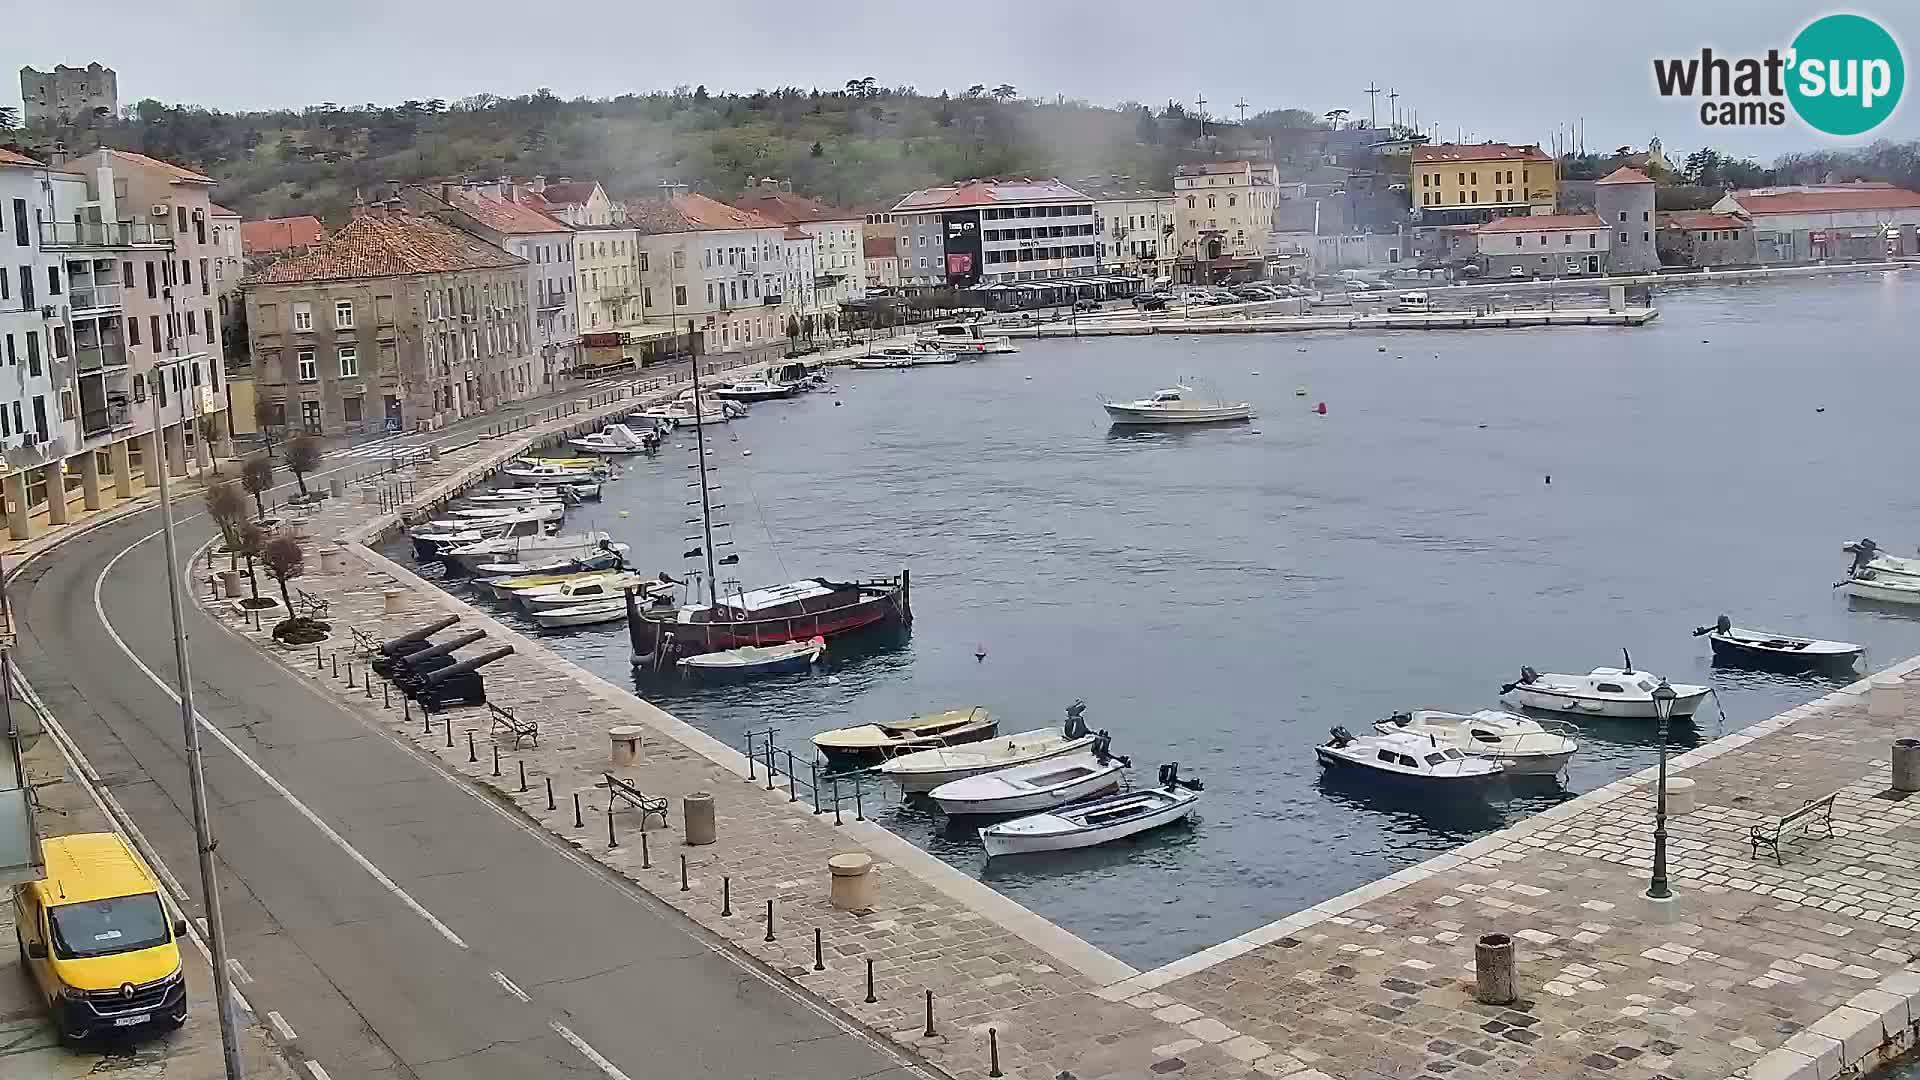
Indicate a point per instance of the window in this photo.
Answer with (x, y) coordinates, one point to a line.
(1623, 238)
(40, 426)
(350, 410)
(1646, 237)
(26, 286)
(1593, 239)
(192, 329)
(186, 272)
(1543, 239)
(302, 316)
(20, 237)
(349, 362)
(306, 370)
(679, 295)
(133, 331)
(153, 323)
(643, 262)
(33, 352)
(53, 281)
(1610, 688)
(203, 277)
(1645, 216)
(1436, 759)
(1189, 202)
(1623, 217)
(343, 314)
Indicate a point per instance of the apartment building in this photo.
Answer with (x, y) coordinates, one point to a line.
(717, 267)
(799, 252)
(882, 263)
(838, 238)
(1223, 218)
(1467, 183)
(397, 321)
(988, 232)
(1135, 225)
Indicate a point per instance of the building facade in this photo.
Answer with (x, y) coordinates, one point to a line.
(800, 252)
(1135, 224)
(1544, 246)
(838, 235)
(1223, 218)
(1467, 183)
(1624, 200)
(397, 321)
(1812, 222)
(989, 232)
(69, 95)
(882, 263)
(1704, 238)
(712, 270)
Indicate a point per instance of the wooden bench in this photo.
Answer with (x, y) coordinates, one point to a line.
(312, 606)
(1813, 814)
(522, 729)
(619, 788)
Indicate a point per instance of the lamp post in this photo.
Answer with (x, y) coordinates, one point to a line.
(1663, 696)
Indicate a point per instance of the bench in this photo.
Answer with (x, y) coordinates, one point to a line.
(1813, 814)
(618, 788)
(364, 643)
(522, 729)
(313, 607)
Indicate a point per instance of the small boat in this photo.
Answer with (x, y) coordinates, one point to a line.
(481, 517)
(1523, 745)
(907, 356)
(614, 557)
(756, 659)
(1868, 556)
(870, 743)
(754, 390)
(590, 588)
(547, 472)
(1892, 588)
(603, 611)
(1405, 758)
(800, 376)
(585, 489)
(1035, 786)
(1174, 405)
(1604, 691)
(505, 587)
(1774, 652)
(1096, 821)
(924, 770)
(965, 337)
(431, 542)
(618, 439)
(581, 545)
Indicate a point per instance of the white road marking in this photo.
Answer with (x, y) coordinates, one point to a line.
(592, 1055)
(318, 1072)
(239, 973)
(508, 985)
(392, 887)
(280, 1025)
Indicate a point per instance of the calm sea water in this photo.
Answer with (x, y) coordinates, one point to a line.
(1222, 597)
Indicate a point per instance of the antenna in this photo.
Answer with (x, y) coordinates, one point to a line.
(1373, 93)
(1242, 106)
(1393, 103)
(1200, 99)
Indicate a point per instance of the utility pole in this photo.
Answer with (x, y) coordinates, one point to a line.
(1373, 93)
(1393, 106)
(1201, 100)
(1242, 106)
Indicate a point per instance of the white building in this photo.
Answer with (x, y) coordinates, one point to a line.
(1223, 216)
(1135, 224)
(799, 252)
(29, 401)
(986, 232)
(714, 267)
(838, 249)
(1828, 221)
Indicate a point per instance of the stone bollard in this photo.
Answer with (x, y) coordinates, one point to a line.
(341, 560)
(626, 744)
(433, 452)
(230, 582)
(1906, 765)
(1493, 970)
(696, 811)
(1886, 697)
(393, 601)
(1681, 796)
(852, 882)
(337, 487)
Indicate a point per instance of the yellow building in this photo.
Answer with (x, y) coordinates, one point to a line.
(1460, 183)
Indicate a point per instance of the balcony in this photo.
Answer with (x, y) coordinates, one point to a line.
(91, 359)
(61, 235)
(88, 298)
(100, 421)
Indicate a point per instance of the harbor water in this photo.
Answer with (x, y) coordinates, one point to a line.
(1469, 502)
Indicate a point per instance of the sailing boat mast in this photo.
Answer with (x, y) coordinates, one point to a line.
(706, 505)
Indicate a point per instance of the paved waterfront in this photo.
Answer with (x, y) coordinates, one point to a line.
(1779, 970)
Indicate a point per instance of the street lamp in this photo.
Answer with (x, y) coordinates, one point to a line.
(1663, 696)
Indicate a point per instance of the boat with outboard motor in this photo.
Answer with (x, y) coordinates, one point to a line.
(618, 439)
(965, 338)
(1404, 758)
(919, 354)
(535, 470)
(924, 770)
(1035, 786)
(1775, 652)
(433, 540)
(1867, 555)
(589, 614)
(749, 660)
(1604, 691)
(589, 588)
(1522, 745)
(755, 390)
(1096, 821)
(611, 558)
(869, 744)
(581, 545)
(584, 489)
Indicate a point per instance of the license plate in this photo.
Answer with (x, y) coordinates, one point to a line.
(132, 1021)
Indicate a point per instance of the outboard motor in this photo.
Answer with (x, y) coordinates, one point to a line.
(1076, 719)
(1400, 719)
(1102, 751)
(1863, 553)
(1340, 737)
(1721, 625)
(1170, 778)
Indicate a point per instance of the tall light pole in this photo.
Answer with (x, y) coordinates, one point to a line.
(1663, 696)
(196, 774)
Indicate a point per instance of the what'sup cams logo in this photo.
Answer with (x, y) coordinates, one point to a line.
(1842, 76)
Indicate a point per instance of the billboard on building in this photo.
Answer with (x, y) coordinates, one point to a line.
(962, 247)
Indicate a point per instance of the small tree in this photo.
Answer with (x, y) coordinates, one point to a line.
(227, 506)
(209, 430)
(248, 540)
(265, 414)
(285, 560)
(303, 456)
(256, 476)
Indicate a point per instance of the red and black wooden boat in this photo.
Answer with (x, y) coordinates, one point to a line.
(772, 616)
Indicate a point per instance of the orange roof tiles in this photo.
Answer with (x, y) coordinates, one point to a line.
(571, 193)
(987, 193)
(1624, 175)
(220, 211)
(507, 217)
(693, 213)
(176, 172)
(795, 232)
(1827, 200)
(785, 206)
(1449, 152)
(8, 157)
(279, 234)
(389, 244)
(1541, 223)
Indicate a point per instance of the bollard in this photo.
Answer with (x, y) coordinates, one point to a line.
(819, 958)
(550, 793)
(993, 1053)
(496, 756)
(1906, 765)
(472, 757)
(611, 842)
(646, 859)
(871, 999)
(769, 920)
(366, 681)
(319, 660)
(696, 812)
(683, 873)
(350, 683)
(523, 774)
(726, 897)
(336, 664)
(1886, 697)
(577, 823)
(836, 800)
(1493, 970)
(448, 725)
(929, 1032)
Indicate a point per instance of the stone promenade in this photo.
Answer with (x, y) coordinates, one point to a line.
(1755, 970)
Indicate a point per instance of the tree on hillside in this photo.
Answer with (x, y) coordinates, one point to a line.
(976, 90)
(256, 478)
(9, 118)
(303, 456)
(1003, 93)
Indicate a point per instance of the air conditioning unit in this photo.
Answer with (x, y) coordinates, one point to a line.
(157, 210)
(46, 311)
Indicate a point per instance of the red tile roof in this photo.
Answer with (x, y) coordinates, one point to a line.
(572, 193)
(879, 247)
(179, 175)
(388, 244)
(795, 232)
(507, 217)
(1493, 151)
(1541, 223)
(1624, 175)
(692, 213)
(8, 157)
(1827, 200)
(1703, 219)
(792, 209)
(279, 234)
(989, 192)
(220, 211)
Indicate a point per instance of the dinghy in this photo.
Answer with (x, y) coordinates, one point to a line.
(1891, 588)
(924, 770)
(1774, 652)
(1524, 746)
(1868, 556)
(869, 744)
(1039, 785)
(1402, 758)
(589, 589)
(583, 545)
(602, 611)
(585, 489)
(618, 439)
(1604, 691)
(492, 573)
(1096, 821)
(756, 659)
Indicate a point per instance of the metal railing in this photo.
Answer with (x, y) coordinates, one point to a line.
(64, 234)
(102, 420)
(830, 790)
(91, 358)
(91, 297)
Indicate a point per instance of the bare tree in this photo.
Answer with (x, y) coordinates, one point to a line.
(256, 476)
(265, 413)
(303, 456)
(210, 431)
(227, 506)
(249, 539)
(285, 560)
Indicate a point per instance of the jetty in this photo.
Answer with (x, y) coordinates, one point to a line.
(1380, 320)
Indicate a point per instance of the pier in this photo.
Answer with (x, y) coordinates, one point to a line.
(1383, 320)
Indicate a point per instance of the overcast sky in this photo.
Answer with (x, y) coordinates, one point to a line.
(1516, 72)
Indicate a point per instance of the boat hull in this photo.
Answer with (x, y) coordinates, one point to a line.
(845, 757)
(1742, 654)
(1099, 783)
(1545, 701)
(1887, 593)
(1131, 416)
(1443, 782)
(999, 844)
(799, 660)
(918, 780)
(883, 603)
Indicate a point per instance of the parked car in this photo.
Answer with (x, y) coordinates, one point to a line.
(1086, 305)
(1517, 272)
(1150, 302)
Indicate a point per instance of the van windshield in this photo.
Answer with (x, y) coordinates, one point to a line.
(103, 927)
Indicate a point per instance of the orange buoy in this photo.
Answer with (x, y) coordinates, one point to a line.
(1321, 408)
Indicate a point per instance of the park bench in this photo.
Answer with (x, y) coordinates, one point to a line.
(1814, 814)
(313, 607)
(364, 643)
(522, 729)
(618, 788)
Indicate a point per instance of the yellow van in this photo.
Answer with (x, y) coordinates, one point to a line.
(96, 939)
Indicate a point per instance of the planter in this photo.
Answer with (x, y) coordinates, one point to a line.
(269, 608)
(302, 633)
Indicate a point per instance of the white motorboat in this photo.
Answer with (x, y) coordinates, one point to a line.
(1775, 652)
(678, 415)
(1523, 745)
(868, 743)
(907, 356)
(585, 590)
(546, 472)
(1405, 758)
(965, 337)
(1604, 691)
(756, 659)
(618, 439)
(1892, 588)
(530, 549)
(924, 770)
(612, 557)
(1868, 556)
(755, 390)
(434, 539)
(1026, 789)
(602, 611)
(586, 489)
(499, 515)
(1096, 821)
(1176, 405)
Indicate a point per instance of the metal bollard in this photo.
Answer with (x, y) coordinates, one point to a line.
(646, 859)
(472, 756)
(550, 793)
(350, 682)
(769, 920)
(448, 725)
(523, 774)
(819, 958)
(1493, 969)
(929, 1032)
(336, 664)
(993, 1053)
(836, 800)
(726, 897)
(496, 756)
(611, 842)
(871, 999)
(683, 873)
(319, 659)
(577, 823)
(366, 681)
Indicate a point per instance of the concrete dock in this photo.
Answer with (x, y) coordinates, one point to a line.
(1805, 969)
(1346, 320)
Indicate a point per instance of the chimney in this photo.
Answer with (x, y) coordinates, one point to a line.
(538, 184)
(446, 192)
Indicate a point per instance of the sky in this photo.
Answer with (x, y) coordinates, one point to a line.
(1532, 73)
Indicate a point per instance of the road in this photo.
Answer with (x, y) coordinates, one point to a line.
(390, 920)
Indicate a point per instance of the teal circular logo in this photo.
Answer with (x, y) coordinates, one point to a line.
(1847, 74)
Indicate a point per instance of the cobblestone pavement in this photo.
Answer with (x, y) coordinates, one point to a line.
(1745, 972)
